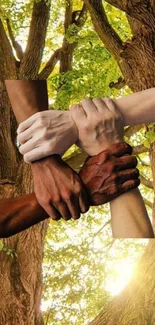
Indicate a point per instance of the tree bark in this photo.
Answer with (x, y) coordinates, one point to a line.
(31, 61)
(20, 275)
(135, 57)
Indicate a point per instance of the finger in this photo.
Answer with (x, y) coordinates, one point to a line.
(120, 149)
(27, 123)
(83, 201)
(127, 175)
(101, 198)
(126, 162)
(129, 185)
(28, 146)
(52, 212)
(25, 136)
(101, 105)
(111, 105)
(73, 206)
(33, 155)
(89, 107)
(78, 113)
(63, 210)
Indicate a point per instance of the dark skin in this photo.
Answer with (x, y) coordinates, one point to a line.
(105, 176)
(28, 97)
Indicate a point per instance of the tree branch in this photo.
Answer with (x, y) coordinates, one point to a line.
(146, 182)
(119, 84)
(143, 163)
(68, 15)
(140, 10)
(15, 44)
(36, 41)
(102, 26)
(130, 130)
(140, 149)
(77, 18)
(7, 60)
(50, 65)
(148, 203)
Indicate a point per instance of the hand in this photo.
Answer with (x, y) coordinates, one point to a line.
(109, 174)
(59, 189)
(99, 123)
(46, 133)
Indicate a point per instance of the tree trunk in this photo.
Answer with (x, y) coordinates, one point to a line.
(20, 274)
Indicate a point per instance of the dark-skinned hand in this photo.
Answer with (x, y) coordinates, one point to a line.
(110, 173)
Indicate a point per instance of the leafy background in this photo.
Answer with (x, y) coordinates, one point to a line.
(83, 265)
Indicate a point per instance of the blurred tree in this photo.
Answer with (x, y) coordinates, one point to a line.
(84, 48)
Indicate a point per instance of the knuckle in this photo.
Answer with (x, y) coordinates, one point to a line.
(107, 100)
(78, 188)
(86, 127)
(56, 200)
(45, 200)
(21, 150)
(40, 121)
(67, 194)
(44, 134)
(27, 158)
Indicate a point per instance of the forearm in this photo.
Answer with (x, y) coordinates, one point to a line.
(27, 97)
(137, 108)
(18, 214)
(129, 217)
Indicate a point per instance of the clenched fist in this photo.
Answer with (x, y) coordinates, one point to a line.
(110, 173)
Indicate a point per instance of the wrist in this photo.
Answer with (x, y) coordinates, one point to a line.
(75, 132)
(45, 161)
(105, 146)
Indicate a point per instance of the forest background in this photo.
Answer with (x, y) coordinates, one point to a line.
(84, 48)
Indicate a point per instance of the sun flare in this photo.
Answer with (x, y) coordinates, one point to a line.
(123, 271)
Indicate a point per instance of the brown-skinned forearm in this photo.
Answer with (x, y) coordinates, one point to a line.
(18, 214)
(27, 97)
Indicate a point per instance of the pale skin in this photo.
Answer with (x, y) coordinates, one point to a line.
(133, 109)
